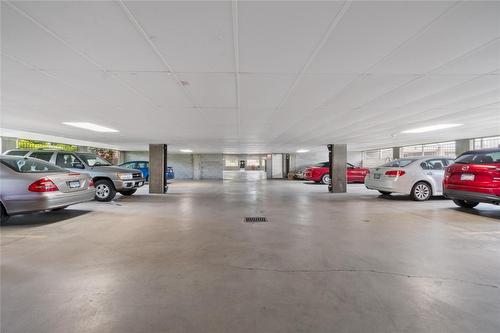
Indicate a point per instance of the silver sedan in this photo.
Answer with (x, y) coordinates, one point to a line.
(420, 177)
(29, 185)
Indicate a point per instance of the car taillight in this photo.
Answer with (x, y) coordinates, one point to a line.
(394, 173)
(43, 185)
(91, 183)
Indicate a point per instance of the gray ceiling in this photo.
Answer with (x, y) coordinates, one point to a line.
(252, 76)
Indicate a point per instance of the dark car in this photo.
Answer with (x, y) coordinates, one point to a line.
(144, 167)
(474, 178)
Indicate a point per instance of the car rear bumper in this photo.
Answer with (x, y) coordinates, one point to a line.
(472, 196)
(33, 202)
(386, 186)
(129, 184)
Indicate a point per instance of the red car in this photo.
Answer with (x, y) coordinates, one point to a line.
(474, 178)
(320, 173)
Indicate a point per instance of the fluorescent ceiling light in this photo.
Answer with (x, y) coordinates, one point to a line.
(186, 150)
(91, 127)
(302, 151)
(431, 128)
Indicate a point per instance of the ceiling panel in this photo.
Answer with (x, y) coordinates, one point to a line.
(466, 27)
(160, 87)
(211, 90)
(371, 30)
(264, 90)
(99, 29)
(280, 36)
(194, 36)
(22, 39)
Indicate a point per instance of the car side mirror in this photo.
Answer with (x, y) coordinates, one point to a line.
(77, 165)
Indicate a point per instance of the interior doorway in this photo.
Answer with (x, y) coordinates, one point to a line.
(245, 167)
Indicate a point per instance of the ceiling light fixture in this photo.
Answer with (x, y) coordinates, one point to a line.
(186, 150)
(91, 127)
(430, 128)
(300, 151)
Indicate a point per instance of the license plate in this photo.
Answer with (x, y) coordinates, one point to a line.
(376, 176)
(74, 184)
(466, 176)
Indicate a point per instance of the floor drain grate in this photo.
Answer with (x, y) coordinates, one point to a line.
(256, 219)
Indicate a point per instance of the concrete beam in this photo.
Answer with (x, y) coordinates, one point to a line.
(461, 146)
(157, 168)
(337, 155)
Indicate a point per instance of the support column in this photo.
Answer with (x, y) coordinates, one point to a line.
(337, 156)
(157, 168)
(196, 167)
(396, 151)
(461, 146)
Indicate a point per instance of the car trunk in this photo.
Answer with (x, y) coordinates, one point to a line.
(69, 182)
(480, 175)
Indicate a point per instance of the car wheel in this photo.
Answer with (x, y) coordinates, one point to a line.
(326, 179)
(104, 190)
(465, 203)
(385, 192)
(128, 192)
(3, 214)
(421, 191)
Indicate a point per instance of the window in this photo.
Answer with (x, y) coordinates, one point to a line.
(398, 163)
(93, 160)
(17, 152)
(42, 155)
(480, 158)
(30, 165)
(323, 165)
(437, 164)
(129, 165)
(142, 165)
(66, 160)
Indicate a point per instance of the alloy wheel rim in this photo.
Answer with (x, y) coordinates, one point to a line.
(422, 191)
(102, 191)
(326, 179)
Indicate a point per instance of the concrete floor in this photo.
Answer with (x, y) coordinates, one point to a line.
(186, 262)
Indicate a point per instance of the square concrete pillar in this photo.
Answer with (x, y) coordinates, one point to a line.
(461, 146)
(396, 153)
(157, 168)
(337, 154)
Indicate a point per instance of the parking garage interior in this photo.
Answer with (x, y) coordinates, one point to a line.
(237, 110)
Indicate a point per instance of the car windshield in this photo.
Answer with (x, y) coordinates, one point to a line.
(479, 158)
(399, 163)
(30, 165)
(322, 164)
(93, 160)
(17, 152)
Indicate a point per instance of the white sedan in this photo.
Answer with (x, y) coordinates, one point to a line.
(420, 177)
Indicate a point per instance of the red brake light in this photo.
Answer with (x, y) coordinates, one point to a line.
(91, 183)
(394, 173)
(43, 185)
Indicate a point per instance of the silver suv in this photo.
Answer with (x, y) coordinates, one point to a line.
(108, 179)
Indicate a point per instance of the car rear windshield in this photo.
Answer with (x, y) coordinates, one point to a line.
(479, 158)
(399, 163)
(17, 152)
(93, 160)
(30, 165)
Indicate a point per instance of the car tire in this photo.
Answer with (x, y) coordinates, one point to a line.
(128, 192)
(104, 190)
(59, 208)
(385, 192)
(465, 203)
(421, 191)
(325, 179)
(3, 214)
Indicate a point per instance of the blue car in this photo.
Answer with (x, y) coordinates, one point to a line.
(144, 167)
